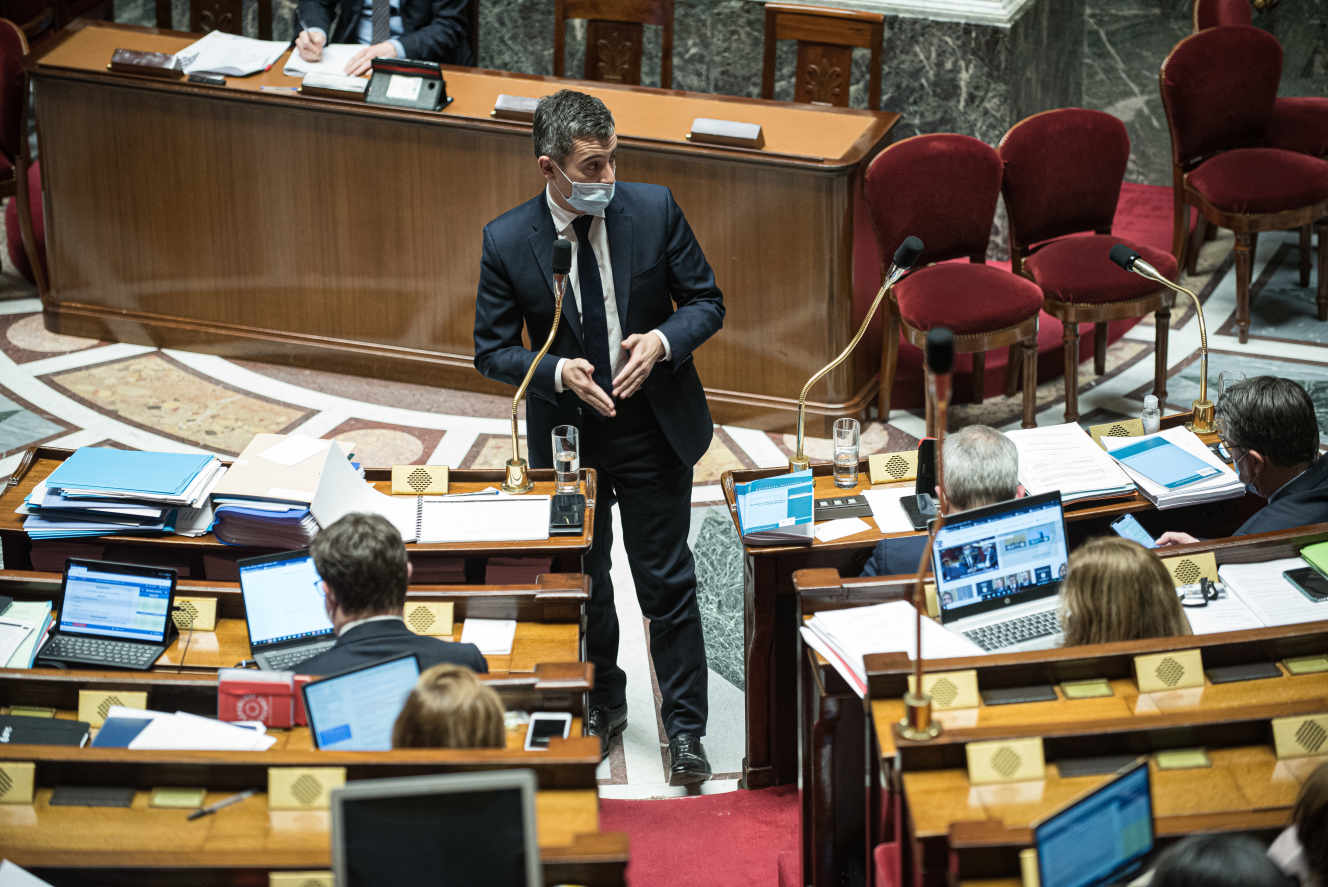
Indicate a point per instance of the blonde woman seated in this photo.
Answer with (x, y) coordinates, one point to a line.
(1117, 590)
(450, 708)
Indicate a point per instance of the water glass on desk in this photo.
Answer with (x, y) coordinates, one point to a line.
(847, 434)
(566, 459)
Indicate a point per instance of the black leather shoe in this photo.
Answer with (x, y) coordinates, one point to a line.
(606, 722)
(687, 760)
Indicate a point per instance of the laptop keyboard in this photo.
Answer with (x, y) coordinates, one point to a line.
(101, 651)
(284, 660)
(1015, 631)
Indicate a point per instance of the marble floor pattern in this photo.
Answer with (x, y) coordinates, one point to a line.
(71, 392)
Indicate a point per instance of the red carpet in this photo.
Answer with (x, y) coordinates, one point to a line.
(728, 840)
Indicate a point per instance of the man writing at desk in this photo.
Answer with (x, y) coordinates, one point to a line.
(427, 30)
(640, 299)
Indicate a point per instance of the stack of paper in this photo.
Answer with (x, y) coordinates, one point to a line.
(137, 728)
(100, 490)
(1174, 468)
(1064, 457)
(845, 637)
(1268, 595)
(333, 61)
(776, 510)
(264, 499)
(220, 53)
(35, 617)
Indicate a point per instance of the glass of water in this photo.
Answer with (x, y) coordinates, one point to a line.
(846, 437)
(566, 458)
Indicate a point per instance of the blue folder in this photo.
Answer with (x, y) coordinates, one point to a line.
(1162, 462)
(128, 471)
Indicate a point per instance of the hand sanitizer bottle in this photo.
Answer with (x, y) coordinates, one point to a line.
(1151, 415)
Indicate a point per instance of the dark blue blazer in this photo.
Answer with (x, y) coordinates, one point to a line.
(1303, 501)
(661, 279)
(896, 556)
(433, 30)
(375, 641)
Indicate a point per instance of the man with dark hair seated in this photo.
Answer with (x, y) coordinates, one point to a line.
(364, 568)
(1270, 429)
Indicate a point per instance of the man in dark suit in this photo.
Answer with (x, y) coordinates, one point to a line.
(364, 568)
(1270, 429)
(427, 30)
(640, 299)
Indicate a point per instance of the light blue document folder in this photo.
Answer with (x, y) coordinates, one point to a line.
(1162, 462)
(128, 471)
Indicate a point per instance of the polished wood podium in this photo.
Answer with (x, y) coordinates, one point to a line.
(320, 232)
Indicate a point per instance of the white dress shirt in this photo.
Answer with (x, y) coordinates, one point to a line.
(358, 622)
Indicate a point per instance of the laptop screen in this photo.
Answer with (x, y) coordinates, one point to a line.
(471, 829)
(283, 598)
(355, 710)
(121, 601)
(1100, 836)
(1001, 554)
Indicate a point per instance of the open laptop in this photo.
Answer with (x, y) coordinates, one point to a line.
(471, 829)
(356, 710)
(1102, 838)
(998, 571)
(283, 609)
(112, 616)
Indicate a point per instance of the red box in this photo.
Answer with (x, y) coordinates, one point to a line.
(246, 695)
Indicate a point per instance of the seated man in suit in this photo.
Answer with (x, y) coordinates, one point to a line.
(426, 30)
(1270, 429)
(365, 571)
(981, 468)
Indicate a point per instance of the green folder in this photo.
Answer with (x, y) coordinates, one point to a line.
(1316, 556)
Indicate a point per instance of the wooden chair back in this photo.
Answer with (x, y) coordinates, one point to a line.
(615, 37)
(218, 15)
(1214, 13)
(826, 39)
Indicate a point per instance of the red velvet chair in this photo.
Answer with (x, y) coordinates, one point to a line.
(1062, 176)
(14, 151)
(943, 188)
(1218, 88)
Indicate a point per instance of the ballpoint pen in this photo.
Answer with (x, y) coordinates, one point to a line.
(224, 802)
(24, 464)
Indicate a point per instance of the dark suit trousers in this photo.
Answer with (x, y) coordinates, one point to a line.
(653, 488)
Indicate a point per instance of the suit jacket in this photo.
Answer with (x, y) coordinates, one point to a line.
(432, 30)
(893, 557)
(375, 641)
(1303, 501)
(661, 280)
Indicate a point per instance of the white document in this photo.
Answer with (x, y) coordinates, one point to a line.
(1269, 595)
(13, 876)
(1227, 613)
(334, 60)
(12, 636)
(492, 636)
(829, 531)
(184, 731)
(231, 54)
(1065, 458)
(1224, 485)
(889, 514)
(341, 490)
(293, 449)
(485, 519)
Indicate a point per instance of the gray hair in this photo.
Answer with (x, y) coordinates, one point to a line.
(1273, 416)
(564, 117)
(981, 467)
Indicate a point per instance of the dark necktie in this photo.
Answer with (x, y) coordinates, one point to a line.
(381, 19)
(594, 322)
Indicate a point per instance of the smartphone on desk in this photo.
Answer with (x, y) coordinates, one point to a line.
(544, 725)
(1128, 527)
(1311, 583)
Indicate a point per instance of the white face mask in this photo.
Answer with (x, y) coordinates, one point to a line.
(590, 198)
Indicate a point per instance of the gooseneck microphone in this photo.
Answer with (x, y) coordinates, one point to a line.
(517, 479)
(1203, 410)
(905, 255)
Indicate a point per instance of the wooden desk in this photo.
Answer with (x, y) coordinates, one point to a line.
(205, 557)
(222, 219)
(769, 637)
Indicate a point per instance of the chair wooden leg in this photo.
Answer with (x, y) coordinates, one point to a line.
(1100, 347)
(1070, 343)
(1162, 324)
(1322, 293)
(1029, 348)
(1243, 265)
(1012, 371)
(1180, 223)
(889, 358)
(930, 404)
(1254, 247)
(1305, 256)
(979, 376)
(1197, 238)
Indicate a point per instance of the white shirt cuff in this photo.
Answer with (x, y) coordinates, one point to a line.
(558, 376)
(396, 45)
(668, 352)
(320, 32)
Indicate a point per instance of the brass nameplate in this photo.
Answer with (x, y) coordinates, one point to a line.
(300, 879)
(1089, 689)
(153, 64)
(198, 613)
(732, 133)
(32, 711)
(889, 468)
(1306, 664)
(950, 689)
(1005, 760)
(17, 781)
(1028, 867)
(430, 618)
(95, 705)
(1300, 736)
(302, 788)
(173, 797)
(514, 107)
(1187, 569)
(1120, 428)
(419, 480)
(1182, 759)
(1174, 670)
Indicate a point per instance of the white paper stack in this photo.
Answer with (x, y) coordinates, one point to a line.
(1268, 595)
(1222, 485)
(845, 637)
(182, 730)
(1065, 458)
(334, 59)
(221, 53)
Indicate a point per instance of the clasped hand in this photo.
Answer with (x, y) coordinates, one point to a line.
(643, 352)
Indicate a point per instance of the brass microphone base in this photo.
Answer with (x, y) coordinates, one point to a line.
(518, 477)
(799, 463)
(917, 724)
(1204, 418)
